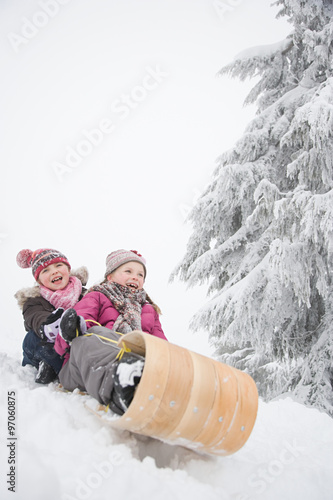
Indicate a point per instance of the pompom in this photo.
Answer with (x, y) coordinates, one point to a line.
(24, 258)
(138, 254)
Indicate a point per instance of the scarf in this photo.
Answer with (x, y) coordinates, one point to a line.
(65, 298)
(128, 304)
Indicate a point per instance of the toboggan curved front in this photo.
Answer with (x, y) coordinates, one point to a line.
(188, 399)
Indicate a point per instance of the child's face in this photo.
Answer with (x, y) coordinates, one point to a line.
(55, 276)
(131, 274)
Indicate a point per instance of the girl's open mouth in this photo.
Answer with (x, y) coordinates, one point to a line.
(132, 285)
(57, 279)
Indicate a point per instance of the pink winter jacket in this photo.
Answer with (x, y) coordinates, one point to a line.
(97, 307)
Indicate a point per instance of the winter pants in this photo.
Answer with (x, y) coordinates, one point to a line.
(92, 364)
(35, 351)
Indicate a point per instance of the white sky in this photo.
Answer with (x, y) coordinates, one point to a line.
(66, 69)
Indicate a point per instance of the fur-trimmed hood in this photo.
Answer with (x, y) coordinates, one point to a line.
(24, 294)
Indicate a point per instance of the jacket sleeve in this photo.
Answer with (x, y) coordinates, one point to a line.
(157, 331)
(35, 312)
(89, 308)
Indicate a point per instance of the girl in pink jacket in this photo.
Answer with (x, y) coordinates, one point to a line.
(118, 304)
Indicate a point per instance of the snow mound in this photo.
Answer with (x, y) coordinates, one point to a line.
(64, 452)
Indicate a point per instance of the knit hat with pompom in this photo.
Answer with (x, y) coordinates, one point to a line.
(120, 257)
(39, 259)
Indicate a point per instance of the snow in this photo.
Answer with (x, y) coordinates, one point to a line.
(89, 55)
(65, 452)
(263, 50)
(127, 372)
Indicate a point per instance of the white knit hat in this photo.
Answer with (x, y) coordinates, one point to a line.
(120, 257)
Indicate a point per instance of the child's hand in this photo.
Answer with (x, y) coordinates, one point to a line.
(72, 325)
(50, 329)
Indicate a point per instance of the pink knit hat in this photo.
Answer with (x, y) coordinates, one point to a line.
(120, 257)
(39, 259)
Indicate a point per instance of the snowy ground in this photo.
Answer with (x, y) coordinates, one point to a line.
(64, 452)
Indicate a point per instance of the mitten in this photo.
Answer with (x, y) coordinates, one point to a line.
(50, 328)
(72, 325)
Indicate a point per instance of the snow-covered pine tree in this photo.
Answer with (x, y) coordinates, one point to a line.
(263, 229)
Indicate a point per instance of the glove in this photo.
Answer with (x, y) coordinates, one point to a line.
(50, 328)
(72, 325)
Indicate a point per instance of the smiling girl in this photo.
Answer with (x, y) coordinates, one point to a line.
(55, 276)
(42, 306)
(118, 304)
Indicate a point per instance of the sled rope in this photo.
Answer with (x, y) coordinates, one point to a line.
(121, 351)
(100, 337)
(97, 335)
(86, 320)
(92, 321)
(98, 324)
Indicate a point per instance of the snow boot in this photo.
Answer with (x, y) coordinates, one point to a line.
(127, 376)
(45, 374)
(71, 325)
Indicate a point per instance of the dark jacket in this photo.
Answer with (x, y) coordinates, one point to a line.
(35, 313)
